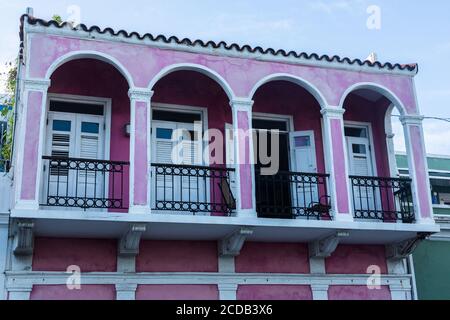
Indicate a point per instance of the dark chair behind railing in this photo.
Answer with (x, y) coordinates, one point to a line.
(192, 189)
(384, 199)
(83, 183)
(290, 195)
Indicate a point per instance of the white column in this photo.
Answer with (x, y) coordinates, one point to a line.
(319, 291)
(244, 155)
(227, 291)
(21, 292)
(28, 166)
(336, 162)
(140, 149)
(126, 291)
(400, 291)
(418, 168)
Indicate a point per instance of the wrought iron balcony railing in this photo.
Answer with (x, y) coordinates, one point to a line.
(291, 195)
(192, 189)
(384, 199)
(83, 183)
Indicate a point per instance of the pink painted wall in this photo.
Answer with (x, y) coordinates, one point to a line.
(177, 292)
(355, 259)
(177, 256)
(60, 292)
(29, 168)
(259, 257)
(358, 293)
(143, 63)
(94, 78)
(56, 254)
(273, 292)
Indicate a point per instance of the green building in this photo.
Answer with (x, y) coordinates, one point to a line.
(431, 259)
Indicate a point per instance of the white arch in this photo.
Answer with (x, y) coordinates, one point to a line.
(377, 88)
(312, 89)
(194, 67)
(86, 54)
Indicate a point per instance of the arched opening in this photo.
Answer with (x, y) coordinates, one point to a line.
(86, 147)
(191, 145)
(297, 187)
(378, 193)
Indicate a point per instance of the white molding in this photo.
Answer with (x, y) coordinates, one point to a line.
(129, 243)
(24, 279)
(84, 54)
(193, 67)
(412, 120)
(140, 94)
(210, 50)
(377, 88)
(36, 84)
(308, 86)
(324, 248)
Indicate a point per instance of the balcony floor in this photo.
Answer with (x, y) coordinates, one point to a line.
(63, 223)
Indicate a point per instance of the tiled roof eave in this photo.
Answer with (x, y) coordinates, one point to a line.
(234, 49)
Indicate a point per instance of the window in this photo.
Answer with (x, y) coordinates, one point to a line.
(440, 191)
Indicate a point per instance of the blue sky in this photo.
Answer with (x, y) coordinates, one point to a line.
(409, 33)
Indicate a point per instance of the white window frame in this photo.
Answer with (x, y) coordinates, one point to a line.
(106, 102)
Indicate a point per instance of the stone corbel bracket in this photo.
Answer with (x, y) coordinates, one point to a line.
(232, 244)
(24, 237)
(325, 247)
(129, 243)
(404, 249)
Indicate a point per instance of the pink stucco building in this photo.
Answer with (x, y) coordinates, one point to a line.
(96, 190)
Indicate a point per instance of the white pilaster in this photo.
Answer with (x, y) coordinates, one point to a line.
(40, 86)
(242, 107)
(227, 291)
(400, 291)
(319, 291)
(419, 200)
(126, 291)
(142, 95)
(335, 149)
(22, 292)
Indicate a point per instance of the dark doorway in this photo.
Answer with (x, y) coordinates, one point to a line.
(273, 192)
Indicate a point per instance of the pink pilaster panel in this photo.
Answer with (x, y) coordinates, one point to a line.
(61, 292)
(358, 293)
(177, 292)
(273, 292)
(353, 259)
(177, 256)
(340, 174)
(420, 167)
(91, 255)
(31, 145)
(244, 160)
(140, 154)
(259, 257)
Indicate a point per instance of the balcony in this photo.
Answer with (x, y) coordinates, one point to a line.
(83, 183)
(382, 199)
(192, 189)
(292, 195)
